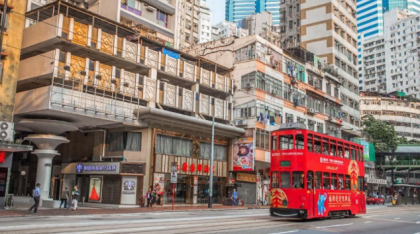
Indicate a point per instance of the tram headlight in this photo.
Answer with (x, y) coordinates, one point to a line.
(303, 205)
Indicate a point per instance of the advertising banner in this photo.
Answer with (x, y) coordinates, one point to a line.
(95, 189)
(129, 190)
(159, 183)
(243, 154)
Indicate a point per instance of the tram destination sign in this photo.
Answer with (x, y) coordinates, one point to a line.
(285, 163)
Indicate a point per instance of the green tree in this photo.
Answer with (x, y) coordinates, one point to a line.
(383, 136)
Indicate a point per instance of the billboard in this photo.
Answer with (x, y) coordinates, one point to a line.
(243, 154)
(95, 189)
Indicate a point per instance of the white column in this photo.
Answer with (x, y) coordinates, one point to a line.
(43, 174)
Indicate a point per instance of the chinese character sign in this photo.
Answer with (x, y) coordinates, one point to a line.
(243, 154)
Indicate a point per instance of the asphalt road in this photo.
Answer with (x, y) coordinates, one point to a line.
(378, 220)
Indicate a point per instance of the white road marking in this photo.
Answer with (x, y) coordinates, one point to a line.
(418, 222)
(368, 221)
(397, 218)
(147, 229)
(126, 222)
(338, 225)
(285, 232)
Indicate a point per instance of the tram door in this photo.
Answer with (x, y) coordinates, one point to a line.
(310, 193)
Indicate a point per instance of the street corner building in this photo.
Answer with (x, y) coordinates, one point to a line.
(12, 24)
(110, 104)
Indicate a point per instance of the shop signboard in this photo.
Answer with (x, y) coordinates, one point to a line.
(189, 166)
(376, 181)
(159, 183)
(95, 189)
(246, 177)
(129, 190)
(91, 168)
(243, 154)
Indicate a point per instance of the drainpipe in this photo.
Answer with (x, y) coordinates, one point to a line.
(103, 142)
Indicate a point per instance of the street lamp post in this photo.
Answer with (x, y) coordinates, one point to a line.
(211, 165)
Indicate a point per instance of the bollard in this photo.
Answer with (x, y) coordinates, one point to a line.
(83, 201)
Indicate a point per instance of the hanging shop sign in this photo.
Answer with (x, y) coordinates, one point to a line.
(243, 154)
(189, 166)
(246, 177)
(91, 168)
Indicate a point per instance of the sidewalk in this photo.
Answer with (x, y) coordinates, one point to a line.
(97, 211)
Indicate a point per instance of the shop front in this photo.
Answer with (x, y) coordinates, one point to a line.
(192, 185)
(117, 183)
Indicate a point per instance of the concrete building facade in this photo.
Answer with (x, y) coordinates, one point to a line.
(118, 108)
(328, 29)
(274, 87)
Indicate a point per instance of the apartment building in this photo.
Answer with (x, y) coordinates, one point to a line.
(403, 114)
(401, 52)
(9, 67)
(329, 30)
(205, 30)
(372, 71)
(227, 29)
(274, 87)
(107, 106)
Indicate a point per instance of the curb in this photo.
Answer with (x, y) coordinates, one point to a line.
(165, 211)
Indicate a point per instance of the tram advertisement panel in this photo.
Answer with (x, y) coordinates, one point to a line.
(243, 154)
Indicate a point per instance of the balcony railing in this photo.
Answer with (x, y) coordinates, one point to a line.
(103, 43)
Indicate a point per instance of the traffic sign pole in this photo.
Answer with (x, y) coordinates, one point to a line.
(173, 196)
(174, 177)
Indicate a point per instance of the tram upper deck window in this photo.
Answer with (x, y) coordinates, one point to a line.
(286, 142)
(274, 143)
(310, 143)
(300, 141)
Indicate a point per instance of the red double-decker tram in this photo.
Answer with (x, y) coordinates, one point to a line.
(314, 175)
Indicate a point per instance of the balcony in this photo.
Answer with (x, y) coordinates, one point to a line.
(115, 50)
(110, 90)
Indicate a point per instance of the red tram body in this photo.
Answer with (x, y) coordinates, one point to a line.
(314, 175)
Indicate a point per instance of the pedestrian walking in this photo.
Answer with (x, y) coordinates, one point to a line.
(234, 197)
(36, 194)
(75, 197)
(65, 196)
(148, 197)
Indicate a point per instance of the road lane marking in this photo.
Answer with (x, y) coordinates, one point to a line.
(338, 225)
(115, 222)
(139, 229)
(397, 218)
(368, 221)
(285, 232)
(418, 222)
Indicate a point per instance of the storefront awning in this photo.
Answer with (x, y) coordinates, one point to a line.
(183, 123)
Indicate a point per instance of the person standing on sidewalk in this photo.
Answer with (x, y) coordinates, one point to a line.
(75, 197)
(65, 196)
(234, 197)
(36, 194)
(154, 194)
(148, 197)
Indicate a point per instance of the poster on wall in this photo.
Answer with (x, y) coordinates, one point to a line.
(95, 189)
(159, 183)
(243, 154)
(129, 190)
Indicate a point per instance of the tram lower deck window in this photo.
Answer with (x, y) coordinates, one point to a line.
(285, 179)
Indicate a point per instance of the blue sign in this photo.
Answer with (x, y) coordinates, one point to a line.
(79, 168)
(170, 53)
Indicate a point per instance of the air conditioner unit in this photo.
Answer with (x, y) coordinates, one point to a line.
(7, 131)
(150, 8)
